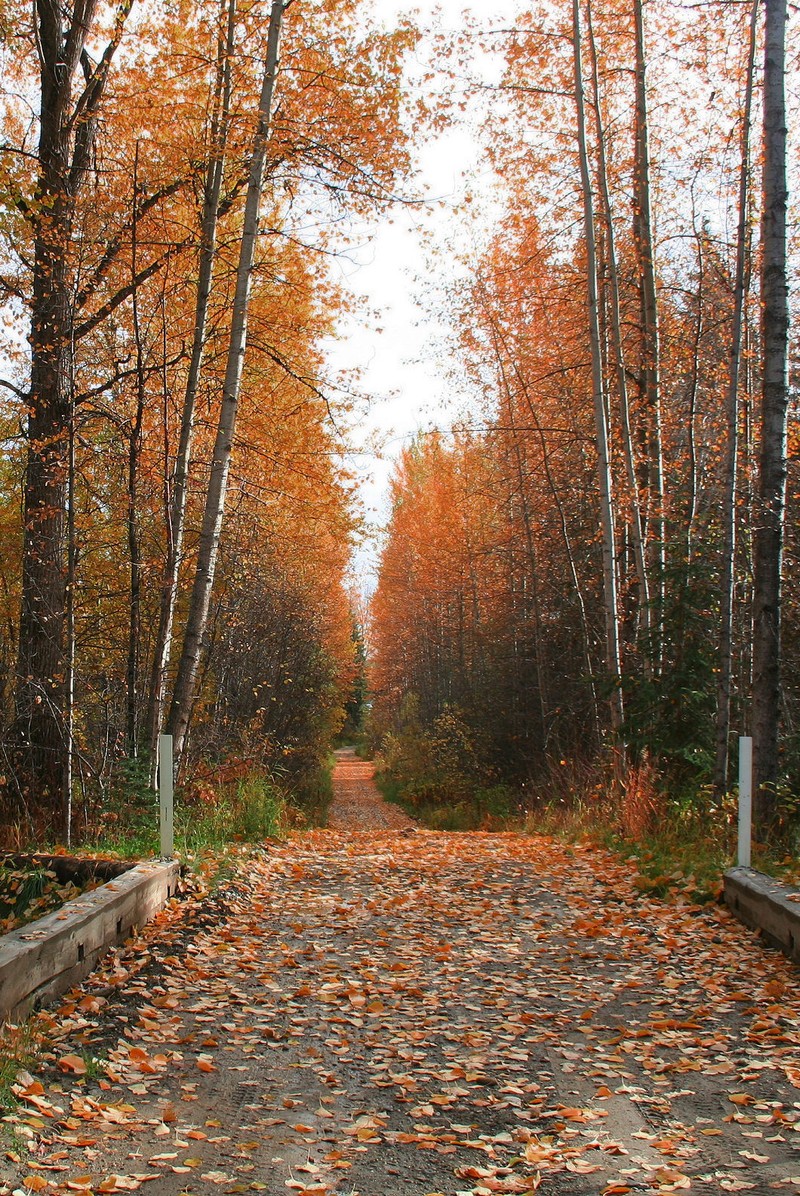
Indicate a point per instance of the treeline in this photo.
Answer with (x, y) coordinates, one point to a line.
(587, 567)
(174, 176)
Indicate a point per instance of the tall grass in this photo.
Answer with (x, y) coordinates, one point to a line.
(207, 817)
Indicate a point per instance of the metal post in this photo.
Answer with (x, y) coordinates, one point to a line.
(745, 799)
(165, 795)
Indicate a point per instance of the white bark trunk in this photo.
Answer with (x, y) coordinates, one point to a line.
(637, 521)
(771, 503)
(741, 286)
(611, 606)
(177, 509)
(220, 465)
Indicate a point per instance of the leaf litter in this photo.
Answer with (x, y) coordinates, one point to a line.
(376, 1011)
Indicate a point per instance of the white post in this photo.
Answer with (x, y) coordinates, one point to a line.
(165, 795)
(745, 799)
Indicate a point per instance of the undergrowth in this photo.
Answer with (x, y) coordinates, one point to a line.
(490, 807)
(20, 1046)
(217, 808)
(677, 843)
(312, 795)
(684, 853)
(221, 805)
(29, 892)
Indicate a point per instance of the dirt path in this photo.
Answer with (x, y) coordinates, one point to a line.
(357, 805)
(377, 1012)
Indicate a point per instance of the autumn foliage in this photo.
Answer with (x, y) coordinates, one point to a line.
(494, 601)
(117, 248)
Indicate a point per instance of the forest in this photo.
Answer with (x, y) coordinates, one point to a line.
(581, 582)
(590, 572)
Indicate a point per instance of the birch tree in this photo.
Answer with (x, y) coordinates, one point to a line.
(214, 509)
(650, 367)
(176, 515)
(740, 288)
(613, 663)
(771, 504)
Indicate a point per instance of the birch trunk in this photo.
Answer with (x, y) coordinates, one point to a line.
(740, 288)
(637, 521)
(176, 518)
(651, 364)
(774, 407)
(610, 603)
(215, 498)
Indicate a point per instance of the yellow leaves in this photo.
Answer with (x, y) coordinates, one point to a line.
(423, 987)
(582, 1166)
(365, 1129)
(671, 1181)
(537, 1152)
(73, 1064)
(754, 1157)
(32, 1095)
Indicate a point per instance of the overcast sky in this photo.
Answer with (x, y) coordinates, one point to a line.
(395, 341)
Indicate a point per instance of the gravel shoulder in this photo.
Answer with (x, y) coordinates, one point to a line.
(375, 1009)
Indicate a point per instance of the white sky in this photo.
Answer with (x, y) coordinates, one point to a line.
(395, 343)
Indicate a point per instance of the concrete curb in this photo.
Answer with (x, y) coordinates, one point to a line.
(45, 958)
(766, 905)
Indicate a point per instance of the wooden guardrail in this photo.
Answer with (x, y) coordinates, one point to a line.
(45, 958)
(766, 905)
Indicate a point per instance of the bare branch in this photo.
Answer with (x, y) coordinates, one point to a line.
(125, 292)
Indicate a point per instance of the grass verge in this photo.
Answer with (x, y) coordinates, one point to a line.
(209, 815)
(20, 1047)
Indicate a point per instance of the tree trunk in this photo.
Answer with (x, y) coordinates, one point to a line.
(637, 521)
(134, 549)
(610, 601)
(177, 507)
(774, 407)
(650, 365)
(741, 286)
(69, 672)
(691, 415)
(66, 139)
(220, 465)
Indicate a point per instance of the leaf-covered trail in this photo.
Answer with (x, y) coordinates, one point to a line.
(378, 1012)
(357, 805)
